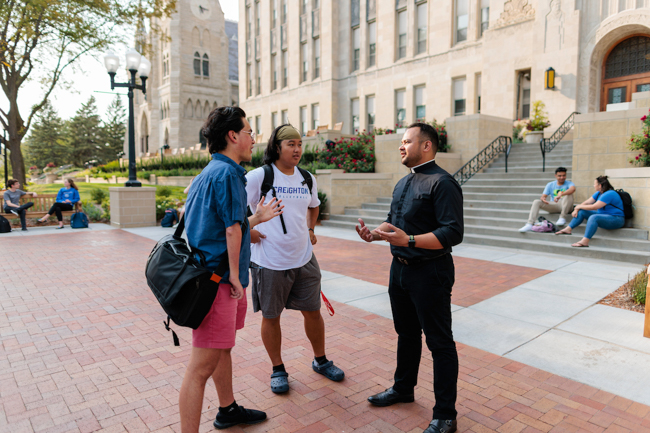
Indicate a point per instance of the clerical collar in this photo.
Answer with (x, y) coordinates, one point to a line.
(421, 165)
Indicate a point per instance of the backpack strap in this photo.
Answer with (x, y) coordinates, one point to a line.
(307, 178)
(267, 185)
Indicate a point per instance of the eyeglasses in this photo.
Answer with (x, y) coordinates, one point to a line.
(251, 133)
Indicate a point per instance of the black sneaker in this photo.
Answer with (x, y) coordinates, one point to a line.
(240, 416)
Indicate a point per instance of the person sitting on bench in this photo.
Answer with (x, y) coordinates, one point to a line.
(12, 201)
(65, 200)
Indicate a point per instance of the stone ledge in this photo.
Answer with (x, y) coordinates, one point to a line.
(634, 172)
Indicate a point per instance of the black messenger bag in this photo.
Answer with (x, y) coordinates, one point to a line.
(184, 288)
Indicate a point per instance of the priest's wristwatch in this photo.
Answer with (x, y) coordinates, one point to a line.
(411, 241)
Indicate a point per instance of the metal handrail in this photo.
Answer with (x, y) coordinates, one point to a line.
(548, 144)
(500, 144)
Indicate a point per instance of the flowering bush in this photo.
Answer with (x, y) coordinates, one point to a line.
(354, 155)
(518, 128)
(538, 119)
(382, 131)
(641, 141)
(441, 129)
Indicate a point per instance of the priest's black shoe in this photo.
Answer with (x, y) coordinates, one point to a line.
(442, 426)
(389, 397)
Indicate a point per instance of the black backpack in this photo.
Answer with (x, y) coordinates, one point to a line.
(170, 217)
(267, 185)
(5, 225)
(626, 198)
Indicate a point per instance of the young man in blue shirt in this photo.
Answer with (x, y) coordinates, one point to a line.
(215, 213)
(556, 198)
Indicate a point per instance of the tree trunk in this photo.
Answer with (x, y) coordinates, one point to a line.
(17, 161)
(16, 134)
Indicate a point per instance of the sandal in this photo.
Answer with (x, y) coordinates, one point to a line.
(579, 245)
(329, 370)
(563, 232)
(280, 382)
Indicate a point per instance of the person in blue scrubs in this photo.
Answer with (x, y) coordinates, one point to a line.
(603, 209)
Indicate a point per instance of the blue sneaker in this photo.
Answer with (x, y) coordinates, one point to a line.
(329, 370)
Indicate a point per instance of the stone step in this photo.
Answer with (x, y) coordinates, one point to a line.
(512, 226)
(533, 168)
(384, 199)
(361, 212)
(376, 206)
(486, 203)
(514, 182)
(532, 162)
(545, 176)
(511, 196)
(543, 246)
(517, 156)
(499, 190)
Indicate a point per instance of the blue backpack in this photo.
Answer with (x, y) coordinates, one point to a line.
(171, 216)
(79, 220)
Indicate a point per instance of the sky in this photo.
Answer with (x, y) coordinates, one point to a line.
(90, 78)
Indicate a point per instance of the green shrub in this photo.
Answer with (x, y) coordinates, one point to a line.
(98, 195)
(354, 155)
(258, 159)
(163, 191)
(323, 202)
(106, 207)
(636, 287)
(93, 212)
(441, 129)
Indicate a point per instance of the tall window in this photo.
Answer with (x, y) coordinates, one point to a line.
(485, 15)
(257, 18)
(197, 63)
(274, 120)
(462, 19)
(206, 66)
(274, 73)
(274, 13)
(523, 100)
(249, 22)
(315, 116)
(401, 34)
(250, 80)
(400, 108)
(316, 58)
(285, 117)
(478, 93)
(305, 62)
(372, 43)
(303, 120)
(304, 6)
(285, 68)
(355, 115)
(284, 11)
(370, 109)
(258, 78)
(356, 48)
(166, 68)
(420, 107)
(422, 28)
(258, 125)
(459, 96)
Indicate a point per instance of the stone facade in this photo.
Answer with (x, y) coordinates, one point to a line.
(193, 71)
(508, 45)
(132, 207)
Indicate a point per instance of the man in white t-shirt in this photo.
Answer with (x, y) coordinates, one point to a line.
(284, 270)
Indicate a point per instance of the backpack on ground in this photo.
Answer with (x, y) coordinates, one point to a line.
(182, 285)
(5, 225)
(79, 220)
(626, 198)
(267, 185)
(171, 216)
(545, 226)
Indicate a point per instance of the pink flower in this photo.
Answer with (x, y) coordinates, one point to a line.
(644, 118)
(637, 158)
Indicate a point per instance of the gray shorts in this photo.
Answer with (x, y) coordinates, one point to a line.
(294, 289)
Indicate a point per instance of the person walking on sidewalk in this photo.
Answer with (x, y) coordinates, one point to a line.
(65, 201)
(12, 201)
(424, 222)
(284, 269)
(216, 212)
(556, 198)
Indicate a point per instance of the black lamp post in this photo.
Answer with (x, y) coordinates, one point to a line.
(136, 64)
(162, 155)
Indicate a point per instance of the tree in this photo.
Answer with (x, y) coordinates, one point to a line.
(114, 129)
(46, 142)
(40, 39)
(84, 135)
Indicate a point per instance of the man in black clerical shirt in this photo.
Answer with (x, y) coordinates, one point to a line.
(425, 221)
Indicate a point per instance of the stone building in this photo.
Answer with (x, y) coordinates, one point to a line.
(193, 71)
(378, 63)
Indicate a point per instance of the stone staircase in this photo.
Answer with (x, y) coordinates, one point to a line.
(496, 205)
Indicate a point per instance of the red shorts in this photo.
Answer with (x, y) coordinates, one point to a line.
(218, 329)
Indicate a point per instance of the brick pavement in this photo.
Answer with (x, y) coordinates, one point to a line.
(476, 280)
(83, 349)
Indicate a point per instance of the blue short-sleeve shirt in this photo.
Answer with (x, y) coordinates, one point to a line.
(216, 201)
(553, 189)
(613, 203)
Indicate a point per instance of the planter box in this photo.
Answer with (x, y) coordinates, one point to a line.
(533, 137)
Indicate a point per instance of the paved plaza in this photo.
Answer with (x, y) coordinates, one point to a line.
(84, 347)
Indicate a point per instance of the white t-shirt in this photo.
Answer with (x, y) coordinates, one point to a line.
(279, 251)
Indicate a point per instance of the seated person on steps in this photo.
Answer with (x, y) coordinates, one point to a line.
(556, 198)
(12, 201)
(603, 209)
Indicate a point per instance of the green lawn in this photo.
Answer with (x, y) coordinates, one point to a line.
(85, 188)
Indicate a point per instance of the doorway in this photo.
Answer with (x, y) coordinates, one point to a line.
(626, 70)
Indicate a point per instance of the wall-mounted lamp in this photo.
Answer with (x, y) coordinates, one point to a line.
(549, 79)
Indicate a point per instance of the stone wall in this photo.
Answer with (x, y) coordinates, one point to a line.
(467, 135)
(132, 207)
(351, 189)
(601, 143)
(635, 181)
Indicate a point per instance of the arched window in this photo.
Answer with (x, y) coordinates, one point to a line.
(197, 63)
(206, 66)
(189, 109)
(197, 110)
(206, 109)
(162, 112)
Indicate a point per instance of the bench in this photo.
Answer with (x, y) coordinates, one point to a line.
(42, 203)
